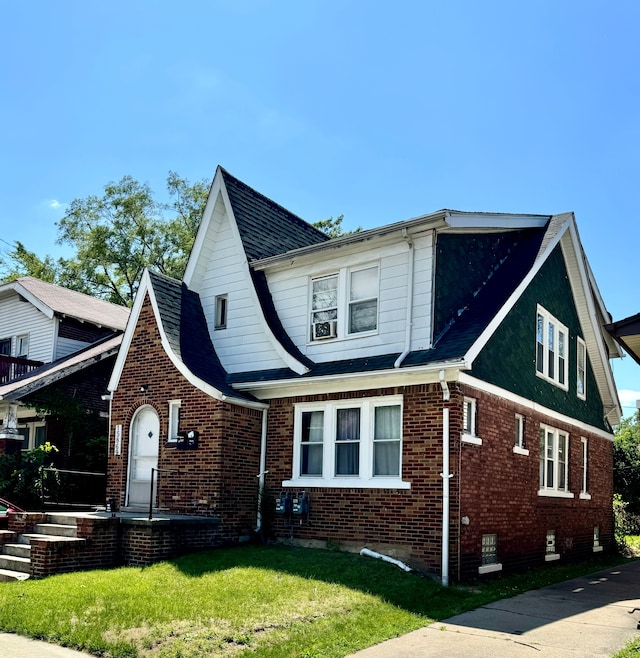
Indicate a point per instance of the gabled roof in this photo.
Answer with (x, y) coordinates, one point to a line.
(54, 300)
(266, 228)
(627, 333)
(185, 337)
(51, 373)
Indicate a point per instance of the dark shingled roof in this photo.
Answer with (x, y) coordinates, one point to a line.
(185, 326)
(266, 228)
(454, 341)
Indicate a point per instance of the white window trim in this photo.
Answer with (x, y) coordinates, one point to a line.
(18, 339)
(174, 408)
(553, 492)
(366, 479)
(343, 303)
(581, 343)
(220, 302)
(489, 568)
(471, 436)
(518, 447)
(584, 491)
(32, 426)
(555, 380)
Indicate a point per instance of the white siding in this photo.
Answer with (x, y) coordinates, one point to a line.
(290, 291)
(18, 318)
(66, 346)
(244, 345)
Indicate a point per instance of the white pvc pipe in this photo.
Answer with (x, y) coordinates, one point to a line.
(445, 495)
(369, 553)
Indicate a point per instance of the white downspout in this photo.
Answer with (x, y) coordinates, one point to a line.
(263, 471)
(407, 337)
(446, 476)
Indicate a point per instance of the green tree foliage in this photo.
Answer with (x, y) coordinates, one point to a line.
(626, 462)
(115, 236)
(333, 227)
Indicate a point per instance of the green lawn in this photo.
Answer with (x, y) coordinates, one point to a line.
(261, 601)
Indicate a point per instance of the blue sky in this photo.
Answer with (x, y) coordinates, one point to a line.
(378, 111)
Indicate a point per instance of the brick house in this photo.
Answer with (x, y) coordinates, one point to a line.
(54, 342)
(437, 389)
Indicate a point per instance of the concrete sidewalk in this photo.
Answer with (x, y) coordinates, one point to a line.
(587, 618)
(17, 646)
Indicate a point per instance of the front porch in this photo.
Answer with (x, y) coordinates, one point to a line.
(39, 544)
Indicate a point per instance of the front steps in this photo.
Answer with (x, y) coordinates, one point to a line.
(15, 548)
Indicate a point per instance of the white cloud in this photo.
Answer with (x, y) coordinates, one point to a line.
(55, 204)
(628, 400)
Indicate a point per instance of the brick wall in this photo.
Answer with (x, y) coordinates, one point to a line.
(219, 477)
(499, 491)
(398, 522)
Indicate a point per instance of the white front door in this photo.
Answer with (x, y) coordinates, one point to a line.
(143, 456)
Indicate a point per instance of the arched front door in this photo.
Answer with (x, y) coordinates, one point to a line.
(143, 456)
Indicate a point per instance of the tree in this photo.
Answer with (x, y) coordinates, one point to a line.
(333, 227)
(115, 236)
(626, 462)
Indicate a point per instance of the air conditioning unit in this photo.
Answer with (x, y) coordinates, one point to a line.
(326, 329)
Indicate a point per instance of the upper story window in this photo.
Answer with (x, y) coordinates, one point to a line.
(348, 443)
(552, 348)
(554, 463)
(344, 303)
(581, 375)
(22, 347)
(221, 312)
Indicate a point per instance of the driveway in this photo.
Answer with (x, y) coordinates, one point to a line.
(588, 617)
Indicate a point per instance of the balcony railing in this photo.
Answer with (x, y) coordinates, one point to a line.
(12, 367)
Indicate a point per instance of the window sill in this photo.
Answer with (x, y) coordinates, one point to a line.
(347, 483)
(470, 438)
(553, 493)
(585, 496)
(517, 450)
(489, 568)
(551, 557)
(555, 382)
(598, 549)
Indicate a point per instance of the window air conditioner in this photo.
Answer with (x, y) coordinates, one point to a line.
(326, 329)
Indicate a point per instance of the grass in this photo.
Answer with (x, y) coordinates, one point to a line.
(267, 602)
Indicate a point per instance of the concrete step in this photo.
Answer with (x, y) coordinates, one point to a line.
(7, 575)
(28, 536)
(61, 519)
(19, 550)
(15, 563)
(56, 529)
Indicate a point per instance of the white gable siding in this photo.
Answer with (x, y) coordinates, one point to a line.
(244, 345)
(18, 318)
(290, 292)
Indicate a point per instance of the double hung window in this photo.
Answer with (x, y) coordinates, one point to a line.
(348, 444)
(552, 348)
(554, 462)
(581, 384)
(344, 303)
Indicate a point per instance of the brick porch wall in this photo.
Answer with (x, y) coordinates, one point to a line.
(217, 479)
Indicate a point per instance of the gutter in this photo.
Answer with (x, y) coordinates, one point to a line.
(446, 477)
(408, 329)
(263, 471)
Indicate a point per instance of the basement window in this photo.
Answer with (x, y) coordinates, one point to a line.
(489, 554)
(597, 547)
(551, 553)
